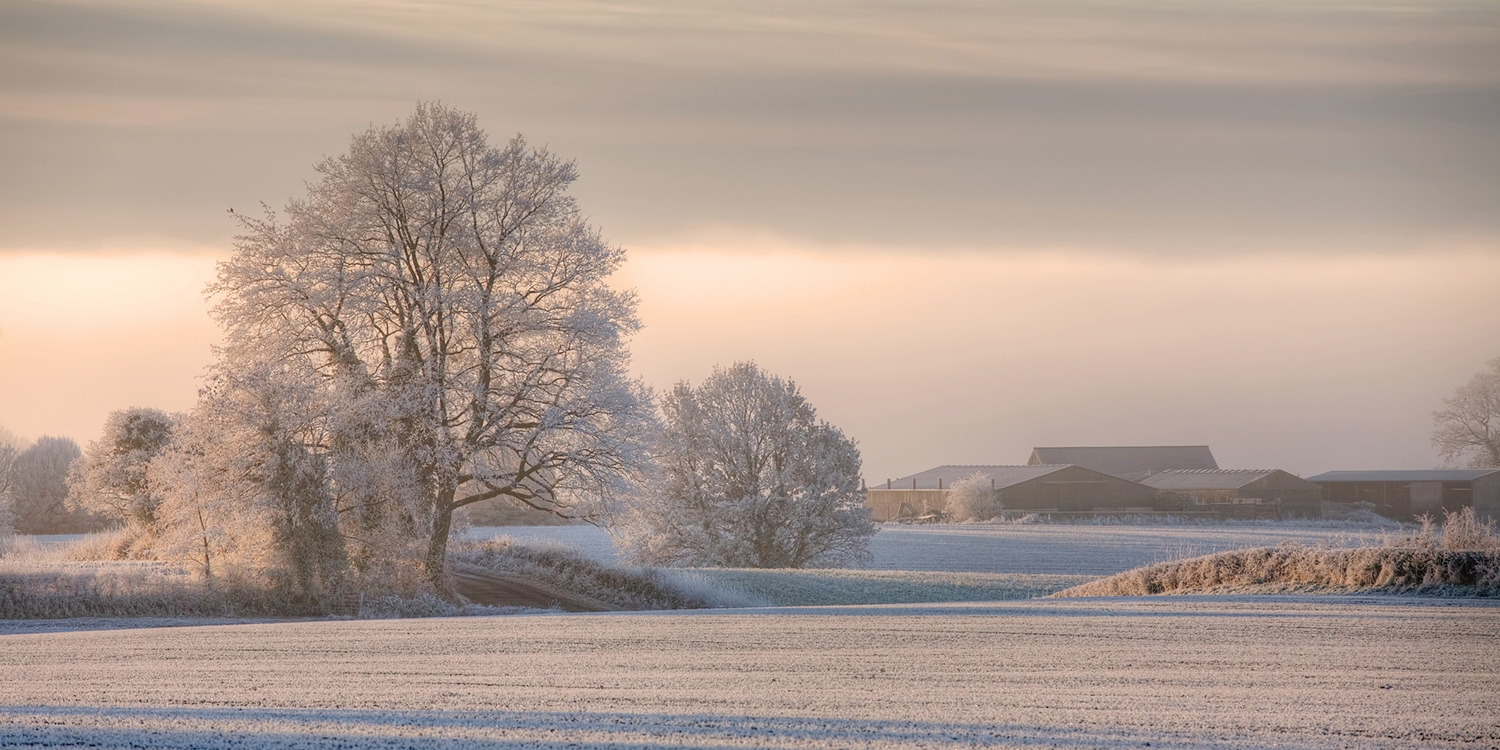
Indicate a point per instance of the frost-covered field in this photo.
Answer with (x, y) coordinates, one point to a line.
(979, 548)
(1181, 672)
(796, 588)
(1076, 550)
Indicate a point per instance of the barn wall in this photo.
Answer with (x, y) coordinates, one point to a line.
(1487, 496)
(1076, 489)
(1390, 499)
(887, 505)
(1298, 496)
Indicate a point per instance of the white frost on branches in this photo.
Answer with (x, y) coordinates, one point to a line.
(446, 306)
(1468, 425)
(110, 479)
(972, 498)
(748, 476)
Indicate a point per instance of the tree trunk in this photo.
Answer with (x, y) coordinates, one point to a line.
(437, 548)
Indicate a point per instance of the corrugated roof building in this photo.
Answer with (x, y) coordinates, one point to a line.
(1132, 462)
(1243, 492)
(1417, 492)
(1031, 488)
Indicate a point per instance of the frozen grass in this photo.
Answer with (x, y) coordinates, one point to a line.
(1463, 558)
(428, 605)
(1066, 549)
(124, 589)
(1295, 568)
(796, 588)
(80, 577)
(1374, 673)
(20, 550)
(619, 588)
(957, 562)
(1077, 549)
(591, 541)
(1360, 520)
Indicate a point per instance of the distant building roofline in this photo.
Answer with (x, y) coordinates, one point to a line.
(1403, 475)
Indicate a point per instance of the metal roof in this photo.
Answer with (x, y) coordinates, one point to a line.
(1128, 461)
(1403, 475)
(1004, 476)
(1207, 479)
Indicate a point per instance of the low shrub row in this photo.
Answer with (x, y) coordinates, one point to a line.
(1293, 567)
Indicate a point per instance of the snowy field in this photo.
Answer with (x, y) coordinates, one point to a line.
(1025, 549)
(1180, 672)
(797, 588)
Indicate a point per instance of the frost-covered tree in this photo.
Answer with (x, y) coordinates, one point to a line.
(972, 498)
(1468, 425)
(40, 488)
(10, 447)
(110, 479)
(243, 494)
(748, 476)
(450, 306)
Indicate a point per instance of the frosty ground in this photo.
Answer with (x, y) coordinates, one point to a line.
(1176, 672)
(1309, 672)
(1015, 549)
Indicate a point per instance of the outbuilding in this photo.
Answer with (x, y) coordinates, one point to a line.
(1036, 489)
(1247, 493)
(1133, 462)
(1406, 494)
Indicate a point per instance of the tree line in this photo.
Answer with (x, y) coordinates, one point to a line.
(34, 487)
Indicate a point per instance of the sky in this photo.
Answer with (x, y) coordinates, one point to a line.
(963, 228)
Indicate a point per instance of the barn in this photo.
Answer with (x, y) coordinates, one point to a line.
(1249, 493)
(1032, 488)
(1406, 494)
(1133, 462)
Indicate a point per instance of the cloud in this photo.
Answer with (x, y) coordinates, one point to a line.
(1137, 127)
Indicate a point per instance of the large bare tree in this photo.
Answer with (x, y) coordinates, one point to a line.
(451, 303)
(1468, 425)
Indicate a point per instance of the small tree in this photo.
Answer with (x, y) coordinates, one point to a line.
(973, 498)
(749, 477)
(110, 479)
(10, 447)
(1468, 425)
(243, 495)
(40, 489)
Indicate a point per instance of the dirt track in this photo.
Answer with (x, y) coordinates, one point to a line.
(485, 587)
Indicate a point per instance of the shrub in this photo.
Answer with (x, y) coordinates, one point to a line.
(1463, 558)
(973, 498)
(619, 588)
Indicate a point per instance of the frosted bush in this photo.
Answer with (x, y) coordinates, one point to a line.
(1462, 530)
(973, 498)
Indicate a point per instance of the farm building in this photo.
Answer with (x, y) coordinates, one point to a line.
(1038, 489)
(1405, 494)
(1133, 462)
(1243, 492)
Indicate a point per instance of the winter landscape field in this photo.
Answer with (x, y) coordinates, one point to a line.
(1066, 549)
(974, 660)
(1182, 672)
